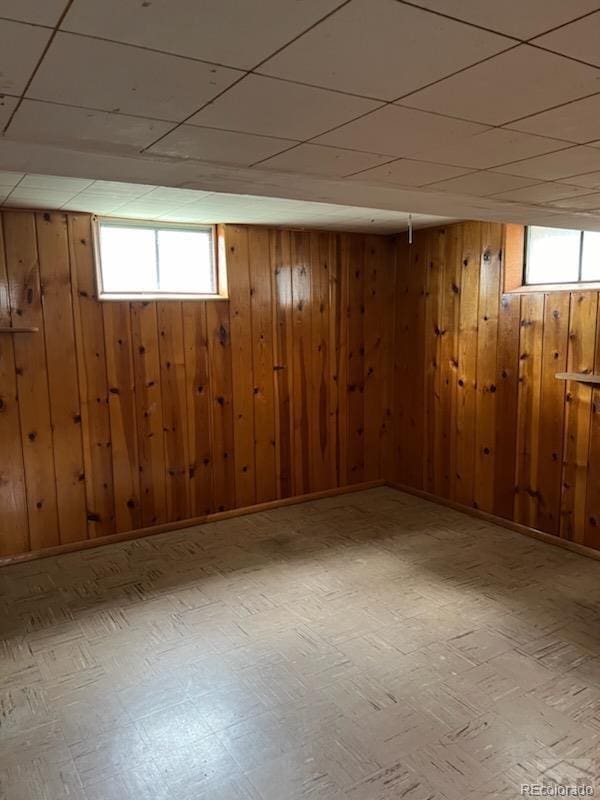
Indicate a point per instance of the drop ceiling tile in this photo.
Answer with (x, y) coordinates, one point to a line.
(93, 203)
(67, 126)
(590, 180)
(113, 77)
(222, 31)
(22, 46)
(407, 172)
(577, 122)
(482, 184)
(224, 147)
(513, 17)
(491, 148)
(398, 131)
(314, 159)
(10, 179)
(541, 193)
(40, 13)
(382, 49)
(589, 202)
(54, 183)
(7, 106)
(554, 166)
(577, 40)
(171, 194)
(38, 198)
(120, 189)
(279, 108)
(512, 85)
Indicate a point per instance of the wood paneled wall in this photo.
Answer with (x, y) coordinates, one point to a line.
(117, 416)
(479, 417)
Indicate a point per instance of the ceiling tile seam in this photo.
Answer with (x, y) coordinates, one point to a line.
(535, 182)
(553, 108)
(578, 196)
(91, 189)
(95, 109)
(271, 55)
(564, 24)
(26, 22)
(498, 32)
(469, 23)
(543, 180)
(376, 166)
(51, 38)
(456, 72)
(562, 55)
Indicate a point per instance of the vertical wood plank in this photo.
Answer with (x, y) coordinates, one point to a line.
(464, 478)
(262, 362)
(356, 361)
(528, 409)
(121, 406)
(578, 405)
(487, 345)
(221, 409)
(552, 404)
(195, 337)
(320, 452)
(433, 335)
(281, 280)
(93, 385)
(148, 413)
(32, 378)
(174, 408)
(241, 364)
(14, 525)
(301, 290)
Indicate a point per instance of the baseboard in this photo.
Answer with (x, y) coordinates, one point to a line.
(165, 527)
(533, 533)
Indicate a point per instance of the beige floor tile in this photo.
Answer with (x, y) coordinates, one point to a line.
(366, 647)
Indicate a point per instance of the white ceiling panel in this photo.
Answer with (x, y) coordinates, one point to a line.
(512, 85)
(9, 180)
(554, 166)
(112, 77)
(577, 40)
(54, 183)
(118, 189)
(382, 49)
(491, 148)
(590, 180)
(41, 13)
(407, 172)
(398, 131)
(37, 198)
(541, 193)
(314, 159)
(577, 122)
(93, 203)
(482, 184)
(589, 202)
(279, 108)
(21, 48)
(224, 147)
(43, 122)
(513, 17)
(240, 34)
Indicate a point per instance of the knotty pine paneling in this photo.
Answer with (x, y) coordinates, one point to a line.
(478, 416)
(116, 416)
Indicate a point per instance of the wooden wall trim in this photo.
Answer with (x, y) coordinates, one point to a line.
(167, 527)
(525, 530)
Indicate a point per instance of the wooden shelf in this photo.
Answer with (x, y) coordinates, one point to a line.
(18, 330)
(582, 377)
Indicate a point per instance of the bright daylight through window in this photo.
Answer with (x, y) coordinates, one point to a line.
(560, 255)
(139, 260)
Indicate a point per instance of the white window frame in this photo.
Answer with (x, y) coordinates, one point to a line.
(218, 261)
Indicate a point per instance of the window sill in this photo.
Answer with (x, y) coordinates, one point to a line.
(158, 298)
(554, 287)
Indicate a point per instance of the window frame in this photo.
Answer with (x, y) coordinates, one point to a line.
(218, 261)
(515, 266)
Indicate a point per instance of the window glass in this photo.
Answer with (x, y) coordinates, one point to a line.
(552, 255)
(138, 259)
(590, 258)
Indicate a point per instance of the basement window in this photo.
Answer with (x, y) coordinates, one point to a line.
(561, 256)
(139, 260)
